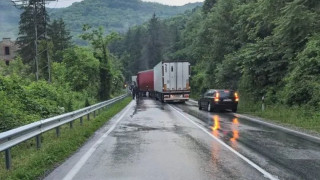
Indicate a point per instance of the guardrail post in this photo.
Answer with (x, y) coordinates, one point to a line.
(71, 124)
(8, 158)
(58, 131)
(81, 121)
(88, 116)
(38, 141)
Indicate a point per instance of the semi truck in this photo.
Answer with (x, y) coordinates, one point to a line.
(172, 81)
(145, 82)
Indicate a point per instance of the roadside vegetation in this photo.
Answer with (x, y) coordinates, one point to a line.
(79, 76)
(262, 48)
(301, 117)
(30, 163)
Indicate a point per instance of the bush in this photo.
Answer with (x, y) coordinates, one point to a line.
(303, 83)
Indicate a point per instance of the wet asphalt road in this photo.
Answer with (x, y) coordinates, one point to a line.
(151, 140)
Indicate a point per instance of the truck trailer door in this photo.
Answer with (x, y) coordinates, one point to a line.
(180, 76)
(173, 77)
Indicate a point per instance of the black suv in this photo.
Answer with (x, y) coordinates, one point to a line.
(215, 99)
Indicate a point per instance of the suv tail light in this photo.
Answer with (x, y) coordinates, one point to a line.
(236, 97)
(216, 98)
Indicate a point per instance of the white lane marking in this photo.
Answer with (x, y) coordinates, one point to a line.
(278, 127)
(87, 155)
(264, 172)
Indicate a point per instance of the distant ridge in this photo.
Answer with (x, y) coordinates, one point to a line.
(113, 15)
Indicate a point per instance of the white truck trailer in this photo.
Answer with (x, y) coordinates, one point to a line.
(172, 81)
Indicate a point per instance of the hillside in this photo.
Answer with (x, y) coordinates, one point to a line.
(9, 19)
(113, 15)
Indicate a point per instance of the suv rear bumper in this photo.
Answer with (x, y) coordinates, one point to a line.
(225, 106)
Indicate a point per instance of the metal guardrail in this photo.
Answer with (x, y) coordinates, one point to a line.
(16, 136)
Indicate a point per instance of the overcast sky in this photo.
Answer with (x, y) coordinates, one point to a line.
(66, 3)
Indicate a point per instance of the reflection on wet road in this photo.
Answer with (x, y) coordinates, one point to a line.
(153, 141)
(281, 154)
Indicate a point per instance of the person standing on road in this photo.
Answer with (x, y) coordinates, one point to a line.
(134, 89)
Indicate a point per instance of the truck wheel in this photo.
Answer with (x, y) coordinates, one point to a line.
(162, 99)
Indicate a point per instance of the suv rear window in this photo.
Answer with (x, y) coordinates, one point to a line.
(226, 93)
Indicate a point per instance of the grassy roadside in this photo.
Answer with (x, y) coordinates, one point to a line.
(30, 163)
(303, 118)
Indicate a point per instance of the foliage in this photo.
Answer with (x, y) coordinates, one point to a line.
(60, 38)
(100, 42)
(303, 83)
(27, 33)
(81, 69)
(114, 15)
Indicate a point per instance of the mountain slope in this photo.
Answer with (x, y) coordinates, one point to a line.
(113, 15)
(9, 19)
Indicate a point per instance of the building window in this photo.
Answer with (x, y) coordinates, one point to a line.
(6, 50)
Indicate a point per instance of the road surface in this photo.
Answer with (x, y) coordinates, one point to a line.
(151, 140)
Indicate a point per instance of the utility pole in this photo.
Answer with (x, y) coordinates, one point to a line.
(35, 12)
(47, 51)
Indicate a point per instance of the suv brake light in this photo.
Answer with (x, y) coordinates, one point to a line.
(236, 97)
(216, 98)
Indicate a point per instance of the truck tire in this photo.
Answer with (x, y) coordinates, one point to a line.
(162, 98)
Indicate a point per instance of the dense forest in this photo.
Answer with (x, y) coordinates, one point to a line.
(267, 48)
(113, 15)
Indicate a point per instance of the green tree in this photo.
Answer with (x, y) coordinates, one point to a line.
(303, 84)
(154, 44)
(60, 38)
(27, 34)
(82, 68)
(207, 5)
(100, 43)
